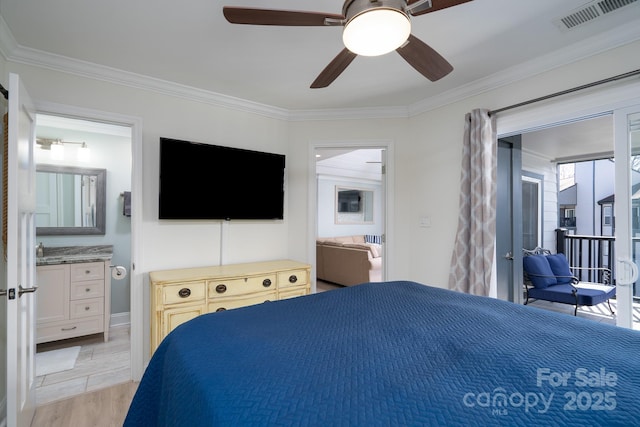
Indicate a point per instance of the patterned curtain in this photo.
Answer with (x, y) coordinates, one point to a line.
(472, 262)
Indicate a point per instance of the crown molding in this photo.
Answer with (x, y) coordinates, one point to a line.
(349, 113)
(612, 39)
(8, 43)
(13, 52)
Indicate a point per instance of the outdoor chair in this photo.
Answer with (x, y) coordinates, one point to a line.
(549, 277)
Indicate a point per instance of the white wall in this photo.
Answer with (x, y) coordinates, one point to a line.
(174, 244)
(327, 226)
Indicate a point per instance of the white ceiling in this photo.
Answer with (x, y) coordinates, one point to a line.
(365, 163)
(489, 42)
(581, 140)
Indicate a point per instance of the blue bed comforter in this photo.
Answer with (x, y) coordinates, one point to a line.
(391, 354)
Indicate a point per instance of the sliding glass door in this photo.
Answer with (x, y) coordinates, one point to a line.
(627, 211)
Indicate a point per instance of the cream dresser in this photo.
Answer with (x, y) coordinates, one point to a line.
(180, 295)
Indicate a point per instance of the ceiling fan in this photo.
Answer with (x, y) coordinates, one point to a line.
(371, 28)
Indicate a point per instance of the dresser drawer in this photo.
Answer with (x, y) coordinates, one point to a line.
(293, 292)
(86, 308)
(292, 278)
(222, 304)
(218, 288)
(68, 329)
(183, 293)
(87, 271)
(88, 289)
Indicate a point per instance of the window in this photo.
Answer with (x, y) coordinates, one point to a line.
(606, 215)
(531, 211)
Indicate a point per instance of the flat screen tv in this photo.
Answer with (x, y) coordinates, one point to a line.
(349, 201)
(203, 181)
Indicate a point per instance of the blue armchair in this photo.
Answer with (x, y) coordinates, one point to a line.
(549, 277)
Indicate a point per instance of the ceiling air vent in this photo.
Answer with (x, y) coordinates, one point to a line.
(590, 11)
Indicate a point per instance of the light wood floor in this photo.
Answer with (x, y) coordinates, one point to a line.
(103, 408)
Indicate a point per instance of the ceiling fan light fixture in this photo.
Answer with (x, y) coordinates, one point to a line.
(376, 31)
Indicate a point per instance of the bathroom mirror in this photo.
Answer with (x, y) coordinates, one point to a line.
(70, 200)
(354, 206)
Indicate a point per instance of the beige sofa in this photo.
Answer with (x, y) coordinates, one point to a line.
(348, 260)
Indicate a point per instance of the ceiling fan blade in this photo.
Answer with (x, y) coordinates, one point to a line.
(435, 5)
(244, 15)
(334, 69)
(424, 59)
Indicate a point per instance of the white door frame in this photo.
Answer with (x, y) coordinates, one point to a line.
(388, 185)
(596, 102)
(136, 277)
(623, 232)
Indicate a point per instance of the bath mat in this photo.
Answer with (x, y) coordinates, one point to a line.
(53, 361)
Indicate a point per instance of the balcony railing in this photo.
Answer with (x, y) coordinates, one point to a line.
(588, 252)
(593, 251)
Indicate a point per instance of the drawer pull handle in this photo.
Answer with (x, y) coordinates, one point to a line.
(221, 309)
(68, 329)
(184, 292)
(293, 278)
(87, 308)
(88, 289)
(266, 283)
(221, 289)
(87, 272)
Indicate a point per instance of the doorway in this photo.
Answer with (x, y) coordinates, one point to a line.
(107, 147)
(354, 176)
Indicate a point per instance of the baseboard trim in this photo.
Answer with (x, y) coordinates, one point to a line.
(120, 319)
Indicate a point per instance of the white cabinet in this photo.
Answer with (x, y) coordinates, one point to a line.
(73, 300)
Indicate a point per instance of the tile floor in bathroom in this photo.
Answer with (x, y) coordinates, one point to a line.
(99, 365)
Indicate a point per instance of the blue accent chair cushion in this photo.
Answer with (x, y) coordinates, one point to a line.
(539, 271)
(560, 267)
(587, 293)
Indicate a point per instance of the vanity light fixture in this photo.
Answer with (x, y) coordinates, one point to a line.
(56, 146)
(57, 150)
(84, 154)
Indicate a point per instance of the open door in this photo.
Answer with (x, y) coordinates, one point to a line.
(508, 218)
(19, 202)
(627, 211)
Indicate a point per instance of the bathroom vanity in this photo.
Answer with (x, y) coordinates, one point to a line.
(74, 292)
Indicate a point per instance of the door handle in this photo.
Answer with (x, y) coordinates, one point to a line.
(22, 290)
(3, 292)
(628, 270)
(509, 256)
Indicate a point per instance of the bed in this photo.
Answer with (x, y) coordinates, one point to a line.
(393, 353)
